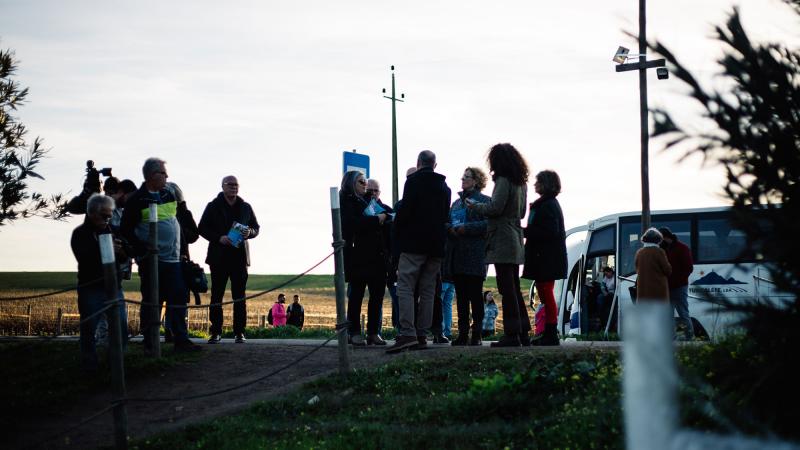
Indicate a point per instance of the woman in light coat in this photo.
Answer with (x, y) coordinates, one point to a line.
(504, 246)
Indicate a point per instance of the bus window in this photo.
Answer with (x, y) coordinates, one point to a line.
(602, 242)
(629, 235)
(718, 241)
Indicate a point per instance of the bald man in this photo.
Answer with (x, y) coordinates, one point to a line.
(226, 259)
(420, 233)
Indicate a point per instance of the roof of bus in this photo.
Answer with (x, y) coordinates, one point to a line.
(596, 223)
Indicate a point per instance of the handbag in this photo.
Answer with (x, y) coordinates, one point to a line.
(195, 277)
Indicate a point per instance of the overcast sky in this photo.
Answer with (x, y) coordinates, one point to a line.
(274, 92)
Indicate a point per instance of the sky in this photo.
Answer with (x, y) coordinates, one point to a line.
(274, 92)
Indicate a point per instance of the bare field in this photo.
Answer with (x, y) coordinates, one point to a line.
(319, 304)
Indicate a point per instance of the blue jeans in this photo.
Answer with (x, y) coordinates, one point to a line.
(90, 300)
(395, 306)
(448, 291)
(679, 297)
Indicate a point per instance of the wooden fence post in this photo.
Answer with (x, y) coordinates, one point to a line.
(115, 356)
(338, 277)
(59, 318)
(30, 309)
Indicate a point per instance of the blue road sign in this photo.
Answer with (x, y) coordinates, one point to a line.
(355, 161)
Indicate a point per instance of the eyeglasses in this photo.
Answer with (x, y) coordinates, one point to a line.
(364, 182)
(373, 191)
(466, 177)
(231, 184)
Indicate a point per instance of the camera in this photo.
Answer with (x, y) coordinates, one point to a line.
(77, 205)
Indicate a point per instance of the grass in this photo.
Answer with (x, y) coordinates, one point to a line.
(480, 400)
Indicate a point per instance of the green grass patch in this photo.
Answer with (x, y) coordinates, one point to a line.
(483, 400)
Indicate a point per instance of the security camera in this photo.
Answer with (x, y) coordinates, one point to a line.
(662, 73)
(621, 55)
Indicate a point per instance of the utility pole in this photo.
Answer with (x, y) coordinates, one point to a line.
(642, 65)
(393, 98)
(644, 117)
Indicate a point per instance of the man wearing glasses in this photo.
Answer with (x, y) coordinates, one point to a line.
(91, 293)
(227, 224)
(135, 227)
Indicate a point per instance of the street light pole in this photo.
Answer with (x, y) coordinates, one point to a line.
(621, 58)
(393, 98)
(644, 117)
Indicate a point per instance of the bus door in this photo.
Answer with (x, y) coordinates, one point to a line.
(596, 300)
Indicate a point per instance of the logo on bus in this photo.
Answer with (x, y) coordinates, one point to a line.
(714, 283)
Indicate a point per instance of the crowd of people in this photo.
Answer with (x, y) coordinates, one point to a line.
(424, 250)
(427, 251)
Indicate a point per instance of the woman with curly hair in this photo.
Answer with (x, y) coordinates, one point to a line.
(504, 247)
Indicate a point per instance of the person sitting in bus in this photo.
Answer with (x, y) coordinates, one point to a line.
(605, 296)
(652, 269)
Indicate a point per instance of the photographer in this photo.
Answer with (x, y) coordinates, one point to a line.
(77, 205)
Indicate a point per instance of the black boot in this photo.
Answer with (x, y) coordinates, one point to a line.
(550, 335)
(507, 341)
(462, 339)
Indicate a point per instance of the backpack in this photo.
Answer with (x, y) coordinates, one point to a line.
(269, 316)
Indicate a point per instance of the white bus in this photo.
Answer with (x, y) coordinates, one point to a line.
(613, 241)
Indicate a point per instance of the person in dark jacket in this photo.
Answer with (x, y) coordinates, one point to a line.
(189, 235)
(374, 192)
(421, 234)
(465, 257)
(546, 249)
(504, 247)
(228, 259)
(365, 257)
(295, 314)
(135, 228)
(91, 287)
(679, 256)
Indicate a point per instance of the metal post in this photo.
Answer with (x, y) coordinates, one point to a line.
(338, 278)
(649, 376)
(644, 117)
(151, 332)
(393, 98)
(115, 355)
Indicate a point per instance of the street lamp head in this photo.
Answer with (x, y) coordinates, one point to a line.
(384, 90)
(402, 95)
(622, 55)
(662, 73)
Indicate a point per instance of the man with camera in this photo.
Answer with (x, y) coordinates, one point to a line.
(228, 222)
(136, 229)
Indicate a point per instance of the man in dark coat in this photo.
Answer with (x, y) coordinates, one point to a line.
(228, 259)
(679, 256)
(421, 235)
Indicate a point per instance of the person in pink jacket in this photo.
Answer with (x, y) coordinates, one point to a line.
(279, 312)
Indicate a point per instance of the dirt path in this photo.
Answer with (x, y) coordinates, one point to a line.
(221, 366)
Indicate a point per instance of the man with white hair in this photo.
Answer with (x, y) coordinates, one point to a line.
(91, 291)
(136, 229)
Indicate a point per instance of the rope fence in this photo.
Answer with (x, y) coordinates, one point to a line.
(112, 303)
